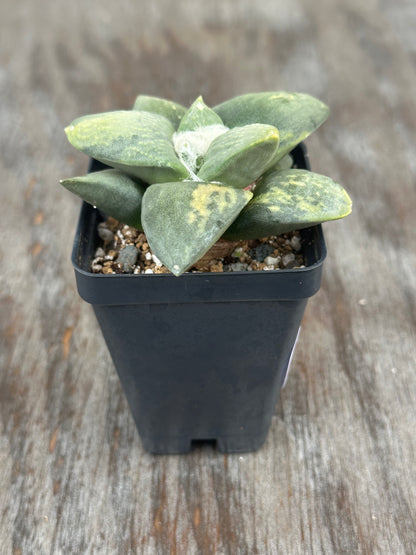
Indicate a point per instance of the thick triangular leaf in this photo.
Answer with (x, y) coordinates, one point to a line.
(287, 200)
(111, 191)
(138, 143)
(183, 220)
(199, 115)
(170, 110)
(240, 155)
(295, 115)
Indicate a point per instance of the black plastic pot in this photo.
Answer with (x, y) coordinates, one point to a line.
(201, 357)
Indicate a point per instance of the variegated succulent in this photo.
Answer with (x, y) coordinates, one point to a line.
(190, 177)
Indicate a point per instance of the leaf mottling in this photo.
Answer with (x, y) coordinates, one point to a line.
(203, 199)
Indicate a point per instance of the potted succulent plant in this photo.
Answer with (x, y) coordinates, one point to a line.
(202, 356)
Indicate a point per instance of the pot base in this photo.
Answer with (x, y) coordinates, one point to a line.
(182, 445)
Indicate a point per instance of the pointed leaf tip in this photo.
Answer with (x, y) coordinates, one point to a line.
(199, 115)
(183, 220)
(112, 192)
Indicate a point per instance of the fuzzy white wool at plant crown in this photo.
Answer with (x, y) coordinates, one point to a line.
(191, 146)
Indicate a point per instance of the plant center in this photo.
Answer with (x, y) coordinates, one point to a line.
(192, 146)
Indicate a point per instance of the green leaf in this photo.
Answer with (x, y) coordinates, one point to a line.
(171, 110)
(288, 200)
(183, 220)
(138, 143)
(199, 115)
(284, 163)
(111, 191)
(295, 115)
(241, 155)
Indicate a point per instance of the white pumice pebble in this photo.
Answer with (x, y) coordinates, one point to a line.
(295, 243)
(156, 260)
(121, 237)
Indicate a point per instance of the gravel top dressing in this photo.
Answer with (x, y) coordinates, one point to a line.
(125, 250)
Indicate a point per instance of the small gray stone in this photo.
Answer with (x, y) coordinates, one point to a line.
(238, 267)
(289, 260)
(261, 252)
(127, 258)
(291, 265)
(104, 233)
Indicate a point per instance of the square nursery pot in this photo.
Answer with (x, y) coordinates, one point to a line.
(201, 357)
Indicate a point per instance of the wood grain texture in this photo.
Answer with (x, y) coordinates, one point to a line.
(337, 473)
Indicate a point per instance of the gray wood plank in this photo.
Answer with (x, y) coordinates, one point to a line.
(337, 472)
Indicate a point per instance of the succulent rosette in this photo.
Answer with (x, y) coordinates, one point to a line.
(188, 177)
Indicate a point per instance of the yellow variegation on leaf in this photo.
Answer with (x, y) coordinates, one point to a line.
(183, 220)
(295, 115)
(135, 142)
(186, 176)
(287, 200)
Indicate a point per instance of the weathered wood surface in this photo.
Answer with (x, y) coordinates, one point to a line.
(337, 473)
